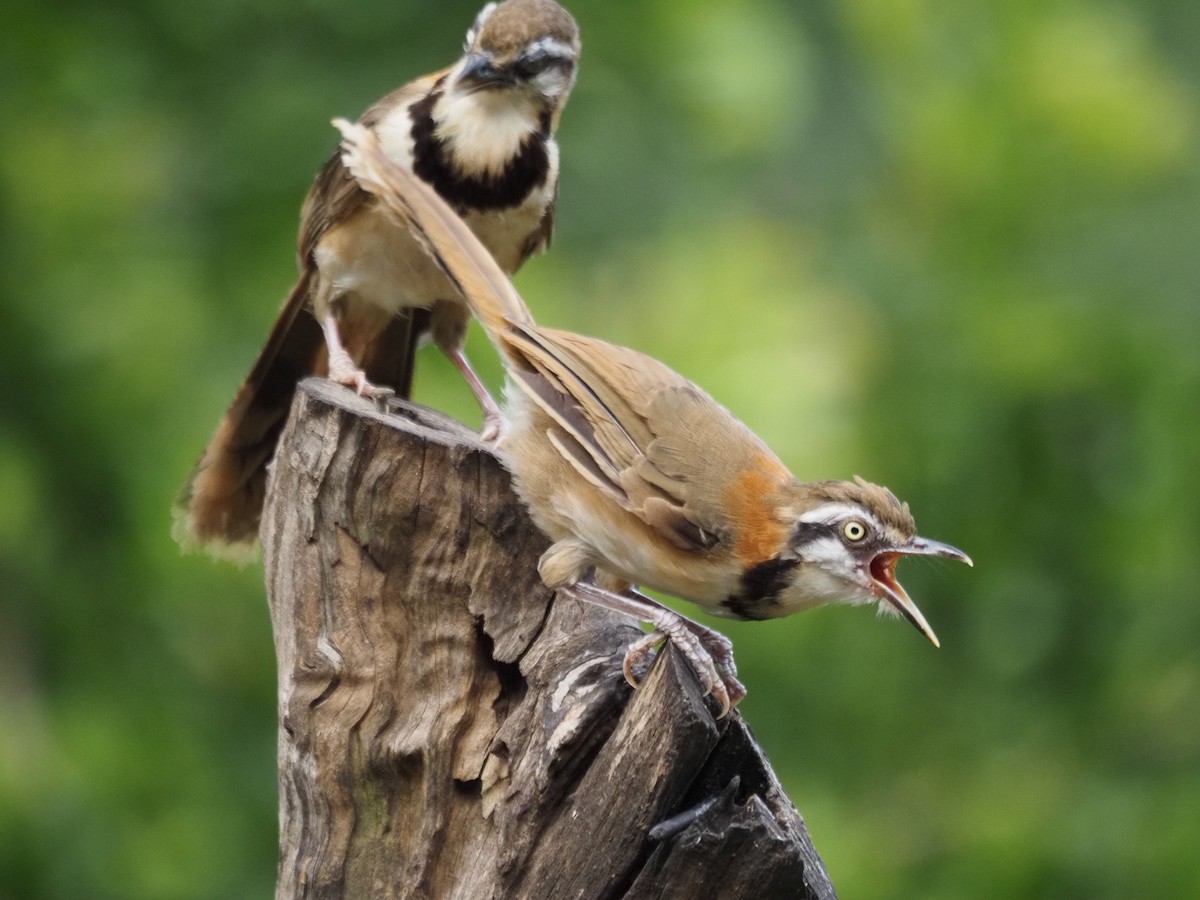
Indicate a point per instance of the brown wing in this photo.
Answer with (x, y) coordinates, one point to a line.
(221, 501)
(333, 197)
(655, 442)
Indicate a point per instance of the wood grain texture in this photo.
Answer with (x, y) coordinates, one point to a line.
(446, 730)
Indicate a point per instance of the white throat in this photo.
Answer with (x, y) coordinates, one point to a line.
(484, 129)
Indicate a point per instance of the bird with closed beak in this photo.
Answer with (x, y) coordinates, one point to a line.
(481, 134)
(639, 478)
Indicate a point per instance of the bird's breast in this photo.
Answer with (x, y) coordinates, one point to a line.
(371, 260)
(506, 233)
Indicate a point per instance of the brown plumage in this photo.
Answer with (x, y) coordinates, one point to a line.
(638, 475)
(481, 133)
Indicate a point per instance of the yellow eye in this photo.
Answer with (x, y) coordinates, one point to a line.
(854, 530)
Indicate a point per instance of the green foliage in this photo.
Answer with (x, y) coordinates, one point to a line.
(950, 247)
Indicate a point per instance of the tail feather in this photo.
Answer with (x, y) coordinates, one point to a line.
(220, 504)
(455, 249)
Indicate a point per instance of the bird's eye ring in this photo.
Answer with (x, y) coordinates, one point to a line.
(854, 530)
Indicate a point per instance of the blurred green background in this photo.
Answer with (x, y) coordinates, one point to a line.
(952, 247)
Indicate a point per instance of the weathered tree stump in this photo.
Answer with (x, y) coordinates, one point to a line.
(446, 730)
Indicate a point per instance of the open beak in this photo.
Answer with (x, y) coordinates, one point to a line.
(478, 71)
(889, 590)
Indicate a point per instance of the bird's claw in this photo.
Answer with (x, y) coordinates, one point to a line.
(343, 370)
(640, 657)
(490, 432)
(710, 655)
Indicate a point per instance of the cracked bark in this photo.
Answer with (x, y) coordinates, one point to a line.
(448, 731)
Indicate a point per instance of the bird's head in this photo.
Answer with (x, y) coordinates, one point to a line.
(529, 48)
(846, 540)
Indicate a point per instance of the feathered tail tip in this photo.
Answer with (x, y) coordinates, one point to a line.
(208, 522)
(184, 532)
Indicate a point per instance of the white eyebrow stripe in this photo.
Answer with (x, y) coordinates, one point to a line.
(828, 513)
(553, 47)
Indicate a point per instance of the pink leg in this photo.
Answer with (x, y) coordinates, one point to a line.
(491, 412)
(341, 367)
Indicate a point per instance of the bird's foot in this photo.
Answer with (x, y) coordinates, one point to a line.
(720, 648)
(343, 370)
(490, 432)
(710, 655)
